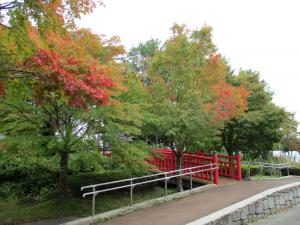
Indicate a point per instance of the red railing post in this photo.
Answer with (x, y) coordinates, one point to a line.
(216, 171)
(239, 168)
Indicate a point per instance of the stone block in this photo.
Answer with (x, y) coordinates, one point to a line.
(277, 200)
(217, 222)
(265, 204)
(244, 213)
(267, 211)
(291, 195)
(251, 209)
(258, 207)
(227, 219)
(295, 193)
(282, 199)
(236, 216)
(271, 202)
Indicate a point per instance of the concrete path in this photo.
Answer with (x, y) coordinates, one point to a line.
(289, 216)
(191, 208)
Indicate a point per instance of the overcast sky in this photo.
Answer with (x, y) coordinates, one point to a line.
(262, 35)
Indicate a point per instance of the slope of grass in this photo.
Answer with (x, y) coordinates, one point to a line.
(17, 212)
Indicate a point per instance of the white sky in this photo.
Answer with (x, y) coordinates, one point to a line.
(262, 35)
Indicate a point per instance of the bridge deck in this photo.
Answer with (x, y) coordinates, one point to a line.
(188, 209)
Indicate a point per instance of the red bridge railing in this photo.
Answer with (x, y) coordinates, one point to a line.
(229, 166)
(166, 161)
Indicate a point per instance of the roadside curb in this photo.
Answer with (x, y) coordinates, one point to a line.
(125, 210)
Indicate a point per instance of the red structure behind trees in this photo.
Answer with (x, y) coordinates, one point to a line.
(228, 166)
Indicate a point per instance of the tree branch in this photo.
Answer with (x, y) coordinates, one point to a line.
(9, 5)
(21, 113)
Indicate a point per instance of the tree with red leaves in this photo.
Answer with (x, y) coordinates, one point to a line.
(82, 83)
(229, 101)
(59, 101)
(190, 97)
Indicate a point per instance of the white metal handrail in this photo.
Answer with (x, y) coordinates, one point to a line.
(172, 174)
(142, 177)
(268, 165)
(261, 165)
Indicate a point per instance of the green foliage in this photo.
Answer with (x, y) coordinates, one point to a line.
(264, 123)
(75, 182)
(20, 177)
(139, 58)
(254, 170)
(177, 116)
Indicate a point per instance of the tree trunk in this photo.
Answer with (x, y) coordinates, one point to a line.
(265, 155)
(63, 174)
(178, 166)
(229, 151)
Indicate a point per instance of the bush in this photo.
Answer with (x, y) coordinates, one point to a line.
(254, 170)
(9, 190)
(23, 178)
(75, 182)
(292, 171)
(89, 161)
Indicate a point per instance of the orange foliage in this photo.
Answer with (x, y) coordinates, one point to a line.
(229, 101)
(215, 70)
(80, 82)
(86, 46)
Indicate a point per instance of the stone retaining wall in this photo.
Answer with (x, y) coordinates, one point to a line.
(254, 208)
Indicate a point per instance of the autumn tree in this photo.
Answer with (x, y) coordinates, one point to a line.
(189, 96)
(50, 14)
(19, 18)
(290, 143)
(57, 82)
(255, 132)
(60, 100)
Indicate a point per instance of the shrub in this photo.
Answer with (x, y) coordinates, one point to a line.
(77, 181)
(292, 171)
(21, 178)
(254, 170)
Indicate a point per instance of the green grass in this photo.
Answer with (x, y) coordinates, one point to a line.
(263, 177)
(14, 212)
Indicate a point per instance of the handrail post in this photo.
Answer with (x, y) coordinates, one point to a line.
(261, 169)
(166, 185)
(249, 170)
(131, 192)
(216, 172)
(191, 179)
(239, 168)
(211, 174)
(93, 203)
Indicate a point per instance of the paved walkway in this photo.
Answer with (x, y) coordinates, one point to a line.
(289, 216)
(190, 208)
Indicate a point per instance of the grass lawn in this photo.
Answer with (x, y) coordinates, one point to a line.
(16, 212)
(263, 177)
